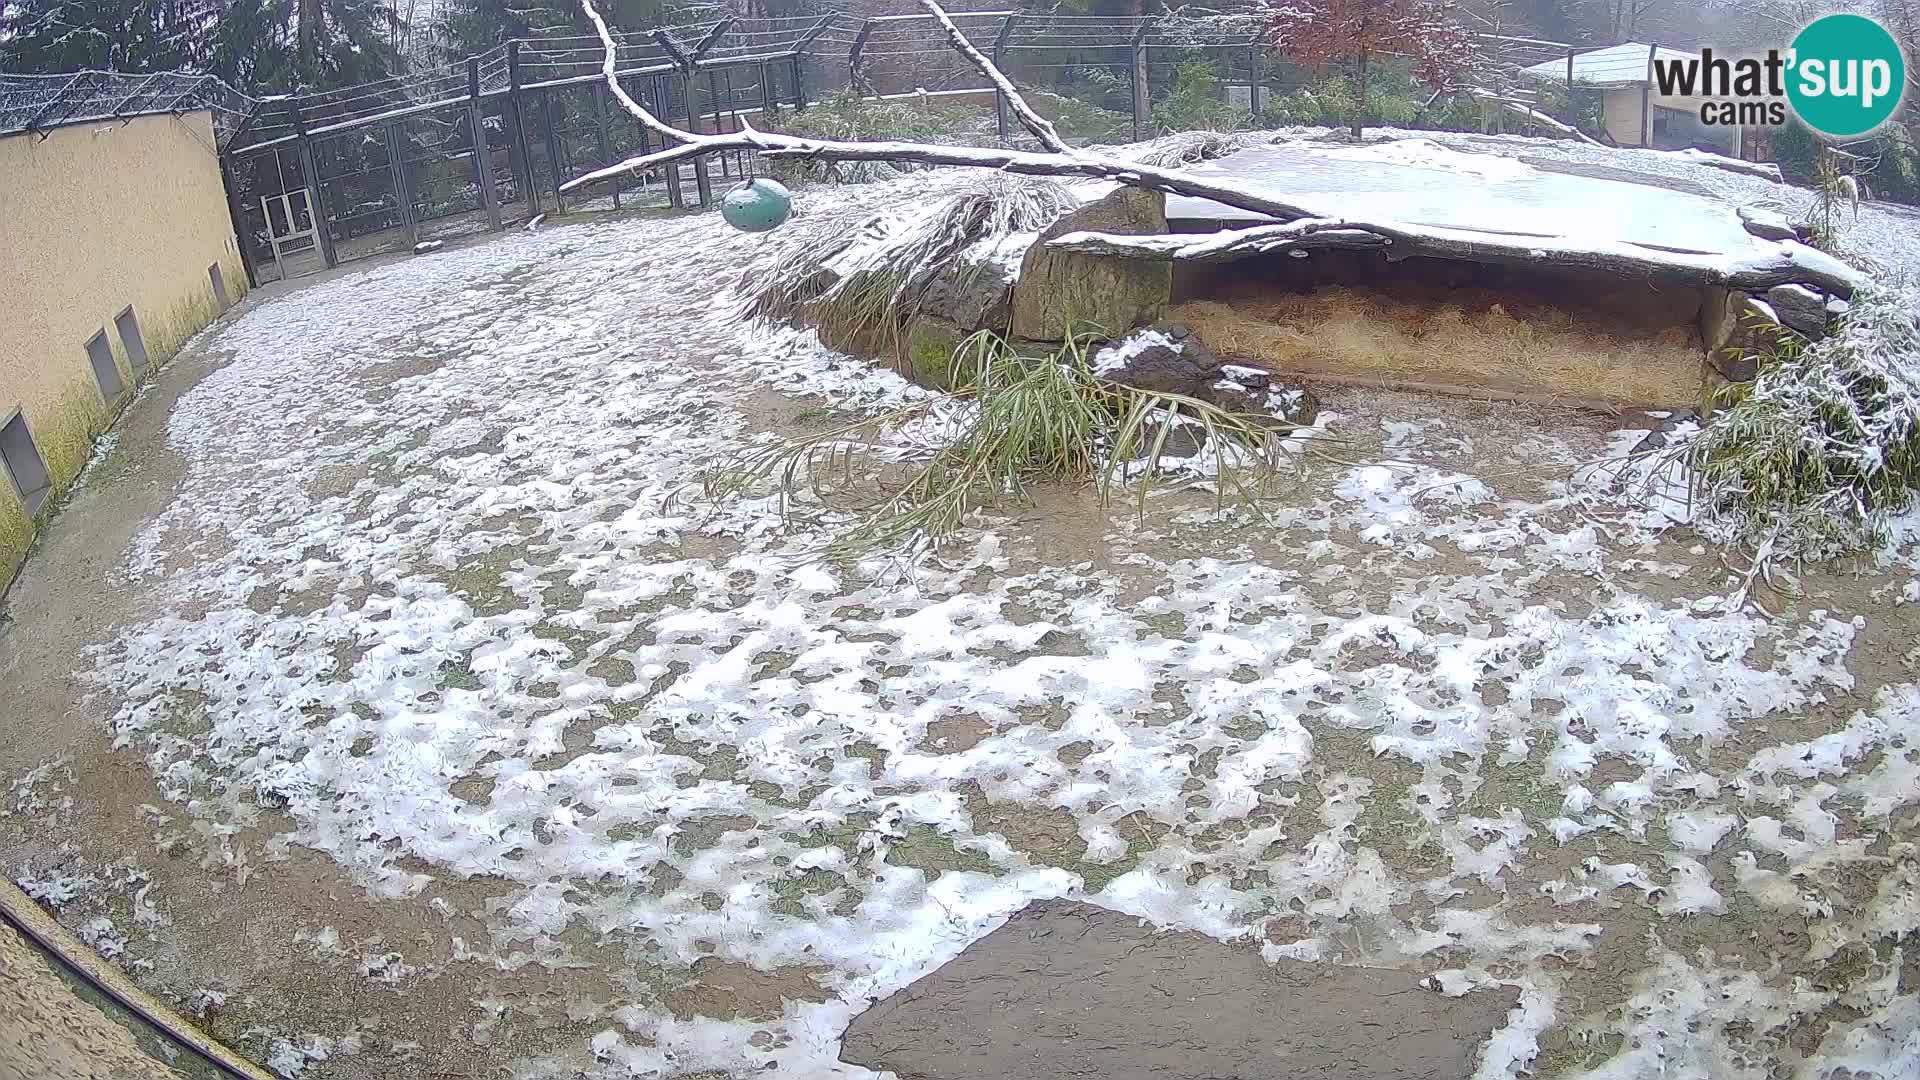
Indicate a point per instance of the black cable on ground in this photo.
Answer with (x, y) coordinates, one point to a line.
(20, 912)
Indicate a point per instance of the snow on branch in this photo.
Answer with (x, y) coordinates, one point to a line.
(1041, 127)
(1301, 227)
(1533, 115)
(1026, 163)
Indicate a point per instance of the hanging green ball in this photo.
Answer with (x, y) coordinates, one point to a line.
(757, 205)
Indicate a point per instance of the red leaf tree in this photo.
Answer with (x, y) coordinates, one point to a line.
(1321, 33)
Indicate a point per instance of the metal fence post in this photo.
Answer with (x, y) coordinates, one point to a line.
(855, 77)
(799, 54)
(701, 183)
(606, 147)
(310, 174)
(1253, 78)
(651, 98)
(520, 159)
(482, 155)
(1137, 76)
(402, 190)
(999, 54)
(230, 178)
(1573, 113)
(1646, 100)
(554, 150)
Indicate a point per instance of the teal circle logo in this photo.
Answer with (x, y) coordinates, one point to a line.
(1847, 75)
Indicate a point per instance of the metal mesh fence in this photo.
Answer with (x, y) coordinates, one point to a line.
(1093, 59)
(44, 102)
(382, 165)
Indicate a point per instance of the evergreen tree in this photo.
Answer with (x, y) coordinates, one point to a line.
(72, 35)
(343, 42)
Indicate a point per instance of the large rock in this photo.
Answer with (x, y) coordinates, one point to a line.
(1768, 224)
(1252, 391)
(928, 347)
(1061, 293)
(1160, 360)
(1800, 309)
(976, 290)
(1169, 360)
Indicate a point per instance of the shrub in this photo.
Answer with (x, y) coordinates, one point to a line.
(1193, 103)
(1822, 448)
(1079, 122)
(850, 117)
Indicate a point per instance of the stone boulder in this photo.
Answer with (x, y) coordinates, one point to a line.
(1169, 360)
(975, 292)
(1060, 293)
(1799, 309)
(1252, 391)
(1768, 224)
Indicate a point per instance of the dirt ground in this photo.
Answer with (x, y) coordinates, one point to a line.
(1068, 989)
(388, 851)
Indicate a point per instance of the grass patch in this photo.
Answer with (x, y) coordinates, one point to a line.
(925, 849)
(1078, 122)
(1012, 422)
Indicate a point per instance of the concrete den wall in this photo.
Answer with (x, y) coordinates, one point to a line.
(93, 218)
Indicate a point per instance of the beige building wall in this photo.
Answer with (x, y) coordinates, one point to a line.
(94, 218)
(1622, 113)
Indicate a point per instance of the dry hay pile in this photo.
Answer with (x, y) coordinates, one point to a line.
(1544, 352)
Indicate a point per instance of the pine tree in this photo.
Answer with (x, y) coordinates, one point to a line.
(72, 35)
(343, 43)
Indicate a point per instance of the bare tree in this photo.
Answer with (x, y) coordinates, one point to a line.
(1302, 228)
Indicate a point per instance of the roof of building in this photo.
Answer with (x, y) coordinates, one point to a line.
(44, 102)
(1614, 66)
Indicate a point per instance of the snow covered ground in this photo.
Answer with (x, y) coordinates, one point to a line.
(435, 598)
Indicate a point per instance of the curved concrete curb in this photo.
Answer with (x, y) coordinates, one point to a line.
(24, 915)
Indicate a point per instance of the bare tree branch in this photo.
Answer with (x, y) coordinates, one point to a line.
(1301, 228)
(1041, 127)
(1025, 163)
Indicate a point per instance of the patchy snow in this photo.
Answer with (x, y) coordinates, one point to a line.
(1427, 154)
(1116, 356)
(1444, 186)
(449, 608)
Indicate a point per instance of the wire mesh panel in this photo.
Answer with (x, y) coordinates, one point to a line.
(358, 194)
(1081, 69)
(268, 194)
(43, 102)
(437, 149)
(823, 62)
(906, 53)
